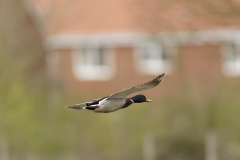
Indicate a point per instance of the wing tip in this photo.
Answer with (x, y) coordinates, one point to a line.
(162, 75)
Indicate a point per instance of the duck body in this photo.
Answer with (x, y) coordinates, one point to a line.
(118, 100)
(111, 105)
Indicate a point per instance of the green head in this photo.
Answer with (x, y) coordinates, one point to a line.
(140, 98)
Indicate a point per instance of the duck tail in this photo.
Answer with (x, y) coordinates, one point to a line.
(77, 106)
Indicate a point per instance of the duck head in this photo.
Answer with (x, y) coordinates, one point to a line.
(140, 98)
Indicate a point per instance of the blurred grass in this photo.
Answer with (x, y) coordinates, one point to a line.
(33, 124)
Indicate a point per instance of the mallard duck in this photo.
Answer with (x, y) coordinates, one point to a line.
(118, 100)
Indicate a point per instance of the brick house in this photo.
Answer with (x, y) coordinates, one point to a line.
(99, 47)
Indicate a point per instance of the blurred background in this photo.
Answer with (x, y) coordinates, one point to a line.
(55, 53)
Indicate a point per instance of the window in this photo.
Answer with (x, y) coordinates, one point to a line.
(153, 59)
(93, 63)
(231, 60)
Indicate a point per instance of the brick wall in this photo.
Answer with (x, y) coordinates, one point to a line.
(198, 68)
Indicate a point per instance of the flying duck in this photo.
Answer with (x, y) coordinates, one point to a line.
(118, 100)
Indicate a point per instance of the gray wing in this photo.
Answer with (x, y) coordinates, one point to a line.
(148, 85)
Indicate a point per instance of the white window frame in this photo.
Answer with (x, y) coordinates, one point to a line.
(152, 66)
(231, 59)
(91, 71)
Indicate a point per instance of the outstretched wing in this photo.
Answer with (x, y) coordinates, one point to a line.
(148, 85)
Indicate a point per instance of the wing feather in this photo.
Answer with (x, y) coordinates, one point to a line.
(144, 86)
